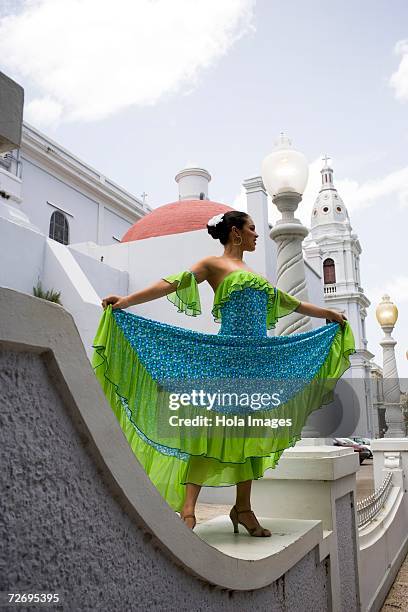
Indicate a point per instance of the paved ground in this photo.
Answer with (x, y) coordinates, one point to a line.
(397, 598)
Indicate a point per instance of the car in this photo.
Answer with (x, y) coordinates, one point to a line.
(363, 452)
(364, 442)
(353, 441)
(360, 440)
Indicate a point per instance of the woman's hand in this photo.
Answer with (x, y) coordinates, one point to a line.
(116, 300)
(337, 317)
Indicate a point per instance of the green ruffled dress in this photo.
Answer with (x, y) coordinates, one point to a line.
(142, 363)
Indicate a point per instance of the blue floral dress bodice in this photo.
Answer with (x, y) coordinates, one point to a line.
(235, 319)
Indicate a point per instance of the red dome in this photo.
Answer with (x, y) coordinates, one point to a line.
(175, 218)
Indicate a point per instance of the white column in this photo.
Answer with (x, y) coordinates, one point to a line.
(262, 259)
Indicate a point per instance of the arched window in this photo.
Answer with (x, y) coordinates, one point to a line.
(329, 272)
(59, 229)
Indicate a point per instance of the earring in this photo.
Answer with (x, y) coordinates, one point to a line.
(238, 243)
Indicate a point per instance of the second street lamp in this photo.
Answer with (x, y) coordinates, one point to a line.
(387, 315)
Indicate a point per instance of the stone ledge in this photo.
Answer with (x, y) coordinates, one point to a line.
(314, 463)
(389, 444)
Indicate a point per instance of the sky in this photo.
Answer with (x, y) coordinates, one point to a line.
(139, 89)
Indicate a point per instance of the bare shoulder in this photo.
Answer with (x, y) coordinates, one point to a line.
(212, 262)
(206, 263)
(204, 268)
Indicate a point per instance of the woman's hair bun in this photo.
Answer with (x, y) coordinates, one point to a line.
(221, 230)
(214, 230)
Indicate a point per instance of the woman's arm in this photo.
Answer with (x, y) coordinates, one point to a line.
(152, 292)
(156, 290)
(312, 310)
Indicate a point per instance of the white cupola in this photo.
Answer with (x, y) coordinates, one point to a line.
(329, 213)
(193, 183)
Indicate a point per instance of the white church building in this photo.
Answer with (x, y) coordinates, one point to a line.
(65, 224)
(334, 250)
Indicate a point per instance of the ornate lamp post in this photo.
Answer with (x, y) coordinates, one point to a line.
(284, 175)
(387, 315)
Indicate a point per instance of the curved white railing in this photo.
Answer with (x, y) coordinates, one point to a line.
(369, 507)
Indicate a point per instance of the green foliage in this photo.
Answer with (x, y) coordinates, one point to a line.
(50, 295)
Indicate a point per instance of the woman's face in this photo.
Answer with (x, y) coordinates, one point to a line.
(248, 235)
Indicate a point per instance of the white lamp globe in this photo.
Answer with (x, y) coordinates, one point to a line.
(285, 169)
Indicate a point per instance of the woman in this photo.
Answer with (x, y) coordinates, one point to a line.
(142, 359)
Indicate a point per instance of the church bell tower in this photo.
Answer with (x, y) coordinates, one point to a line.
(333, 250)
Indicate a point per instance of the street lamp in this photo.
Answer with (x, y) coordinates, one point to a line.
(284, 175)
(285, 170)
(387, 315)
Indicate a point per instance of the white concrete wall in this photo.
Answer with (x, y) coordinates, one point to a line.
(89, 219)
(40, 186)
(11, 185)
(22, 256)
(102, 277)
(383, 547)
(113, 226)
(62, 271)
(28, 256)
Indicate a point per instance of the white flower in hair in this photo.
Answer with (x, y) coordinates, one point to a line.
(215, 220)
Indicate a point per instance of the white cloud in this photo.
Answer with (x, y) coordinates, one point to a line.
(44, 111)
(364, 195)
(88, 59)
(396, 288)
(399, 80)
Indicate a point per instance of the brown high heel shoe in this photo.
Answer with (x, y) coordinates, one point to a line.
(257, 531)
(184, 516)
